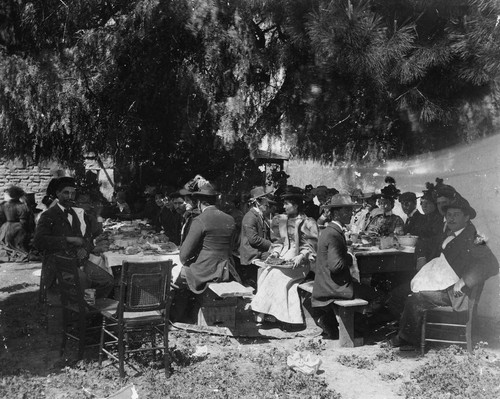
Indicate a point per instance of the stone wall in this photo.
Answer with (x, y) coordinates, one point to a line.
(31, 178)
(35, 178)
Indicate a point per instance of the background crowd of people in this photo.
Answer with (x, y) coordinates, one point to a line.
(309, 232)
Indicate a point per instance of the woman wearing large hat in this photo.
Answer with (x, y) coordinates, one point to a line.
(294, 238)
(384, 222)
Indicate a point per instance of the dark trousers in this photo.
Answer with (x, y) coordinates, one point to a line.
(185, 303)
(92, 276)
(416, 304)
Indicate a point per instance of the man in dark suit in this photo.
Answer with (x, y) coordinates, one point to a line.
(415, 222)
(255, 235)
(66, 230)
(332, 278)
(206, 253)
(459, 263)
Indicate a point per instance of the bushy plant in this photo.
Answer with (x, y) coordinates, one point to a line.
(356, 361)
(454, 373)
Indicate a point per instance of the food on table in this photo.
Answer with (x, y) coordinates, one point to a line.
(132, 238)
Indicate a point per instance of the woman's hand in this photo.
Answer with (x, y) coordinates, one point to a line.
(297, 260)
(273, 255)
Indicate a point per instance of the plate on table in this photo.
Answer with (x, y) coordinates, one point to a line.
(281, 263)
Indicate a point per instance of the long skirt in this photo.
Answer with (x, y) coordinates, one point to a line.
(277, 294)
(12, 241)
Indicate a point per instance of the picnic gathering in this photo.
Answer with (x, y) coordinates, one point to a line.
(345, 261)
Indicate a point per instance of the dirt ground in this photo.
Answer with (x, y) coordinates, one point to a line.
(31, 337)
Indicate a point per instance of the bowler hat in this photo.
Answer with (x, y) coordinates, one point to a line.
(339, 201)
(461, 203)
(408, 197)
(261, 191)
(292, 192)
(64, 181)
(206, 191)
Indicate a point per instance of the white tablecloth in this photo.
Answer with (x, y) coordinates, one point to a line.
(110, 259)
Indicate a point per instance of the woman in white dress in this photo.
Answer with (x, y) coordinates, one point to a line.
(294, 237)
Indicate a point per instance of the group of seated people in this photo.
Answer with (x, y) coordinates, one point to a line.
(277, 230)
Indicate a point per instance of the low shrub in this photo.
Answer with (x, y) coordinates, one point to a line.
(355, 361)
(454, 373)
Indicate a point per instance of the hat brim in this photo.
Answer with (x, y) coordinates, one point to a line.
(196, 194)
(327, 206)
(469, 210)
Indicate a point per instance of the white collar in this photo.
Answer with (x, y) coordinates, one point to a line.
(458, 232)
(338, 224)
(258, 211)
(62, 207)
(413, 213)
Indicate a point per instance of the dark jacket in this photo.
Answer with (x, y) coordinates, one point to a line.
(472, 262)
(206, 252)
(333, 278)
(255, 237)
(171, 223)
(415, 224)
(53, 228)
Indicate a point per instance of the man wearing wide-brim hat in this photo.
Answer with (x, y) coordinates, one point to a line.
(66, 230)
(458, 264)
(255, 237)
(206, 253)
(333, 264)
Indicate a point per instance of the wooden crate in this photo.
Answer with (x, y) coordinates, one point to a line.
(222, 316)
(217, 311)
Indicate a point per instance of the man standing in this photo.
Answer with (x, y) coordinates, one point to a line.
(65, 230)
(332, 278)
(206, 252)
(414, 224)
(255, 234)
(458, 264)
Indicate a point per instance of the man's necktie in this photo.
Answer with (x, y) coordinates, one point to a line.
(75, 223)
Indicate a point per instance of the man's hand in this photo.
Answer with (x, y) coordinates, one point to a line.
(81, 253)
(297, 260)
(76, 241)
(457, 288)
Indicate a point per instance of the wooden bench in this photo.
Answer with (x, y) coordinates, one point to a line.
(344, 312)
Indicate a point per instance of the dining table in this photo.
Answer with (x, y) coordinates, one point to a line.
(371, 260)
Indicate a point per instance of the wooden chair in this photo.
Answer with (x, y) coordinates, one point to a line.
(75, 311)
(443, 324)
(143, 306)
(46, 279)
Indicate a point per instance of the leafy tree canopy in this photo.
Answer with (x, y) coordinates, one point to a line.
(188, 86)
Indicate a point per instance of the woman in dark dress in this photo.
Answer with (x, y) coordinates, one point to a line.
(15, 229)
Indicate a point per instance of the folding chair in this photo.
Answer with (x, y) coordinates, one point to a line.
(443, 324)
(75, 311)
(144, 305)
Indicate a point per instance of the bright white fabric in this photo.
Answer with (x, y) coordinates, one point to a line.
(435, 275)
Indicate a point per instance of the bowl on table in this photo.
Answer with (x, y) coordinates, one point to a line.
(407, 241)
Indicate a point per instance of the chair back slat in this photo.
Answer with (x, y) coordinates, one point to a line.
(69, 281)
(145, 286)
